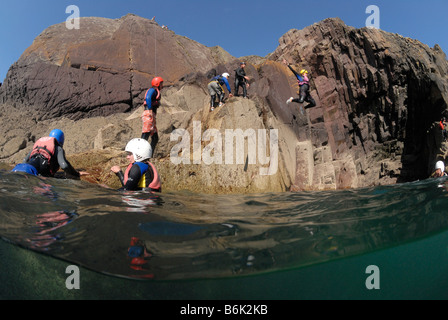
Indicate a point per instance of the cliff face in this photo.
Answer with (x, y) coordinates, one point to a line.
(379, 97)
(103, 68)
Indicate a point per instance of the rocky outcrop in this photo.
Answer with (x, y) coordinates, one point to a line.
(379, 99)
(103, 68)
(378, 95)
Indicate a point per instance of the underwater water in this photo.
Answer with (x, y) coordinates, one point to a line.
(276, 246)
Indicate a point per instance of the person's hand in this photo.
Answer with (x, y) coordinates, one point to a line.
(115, 169)
(230, 95)
(285, 62)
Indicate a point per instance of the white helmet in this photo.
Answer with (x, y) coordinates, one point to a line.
(440, 165)
(140, 148)
(226, 75)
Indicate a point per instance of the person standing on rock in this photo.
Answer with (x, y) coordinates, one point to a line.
(140, 174)
(47, 157)
(241, 80)
(304, 84)
(151, 104)
(215, 88)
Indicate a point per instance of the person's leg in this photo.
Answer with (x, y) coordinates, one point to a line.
(244, 85)
(154, 141)
(145, 135)
(212, 101)
(311, 102)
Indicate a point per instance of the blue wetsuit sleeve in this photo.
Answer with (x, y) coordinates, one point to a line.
(150, 97)
(227, 84)
(296, 74)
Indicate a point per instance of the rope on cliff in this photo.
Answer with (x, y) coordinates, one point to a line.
(155, 49)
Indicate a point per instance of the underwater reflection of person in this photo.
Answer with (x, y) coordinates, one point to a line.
(47, 223)
(139, 256)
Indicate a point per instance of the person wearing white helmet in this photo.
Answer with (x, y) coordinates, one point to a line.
(215, 88)
(140, 173)
(440, 170)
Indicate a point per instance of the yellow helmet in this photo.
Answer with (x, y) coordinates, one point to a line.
(303, 71)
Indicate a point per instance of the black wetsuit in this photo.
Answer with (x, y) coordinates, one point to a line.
(47, 169)
(135, 174)
(240, 81)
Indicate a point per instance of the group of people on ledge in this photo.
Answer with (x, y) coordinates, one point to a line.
(48, 156)
(216, 87)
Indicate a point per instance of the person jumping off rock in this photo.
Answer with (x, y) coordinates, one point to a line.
(304, 84)
(151, 103)
(215, 89)
(241, 80)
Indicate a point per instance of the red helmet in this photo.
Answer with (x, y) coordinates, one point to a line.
(156, 81)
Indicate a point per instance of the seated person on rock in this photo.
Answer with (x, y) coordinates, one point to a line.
(47, 157)
(140, 174)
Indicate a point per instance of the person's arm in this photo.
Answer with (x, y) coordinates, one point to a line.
(64, 164)
(240, 73)
(28, 156)
(298, 76)
(227, 85)
(150, 97)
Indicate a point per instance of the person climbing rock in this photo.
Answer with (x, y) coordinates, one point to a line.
(215, 88)
(47, 156)
(241, 80)
(304, 84)
(151, 104)
(140, 173)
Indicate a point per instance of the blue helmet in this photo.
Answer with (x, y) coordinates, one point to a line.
(58, 135)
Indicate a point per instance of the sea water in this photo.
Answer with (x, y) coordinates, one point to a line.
(68, 239)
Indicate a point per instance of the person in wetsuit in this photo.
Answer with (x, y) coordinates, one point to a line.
(47, 156)
(304, 84)
(151, 104)
(140, 173)
(241, 80)
(215, 88)
(439, 170)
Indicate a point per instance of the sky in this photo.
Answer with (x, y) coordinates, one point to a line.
(241, 27)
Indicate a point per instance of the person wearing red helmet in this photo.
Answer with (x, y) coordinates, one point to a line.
(151, 103)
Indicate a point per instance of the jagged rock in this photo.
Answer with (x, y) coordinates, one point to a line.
(103, 68)
(372, 88)
(379, 98)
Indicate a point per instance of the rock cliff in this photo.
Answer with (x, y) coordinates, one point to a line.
(379, 99)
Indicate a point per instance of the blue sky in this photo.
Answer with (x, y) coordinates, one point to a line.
(242, 27)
